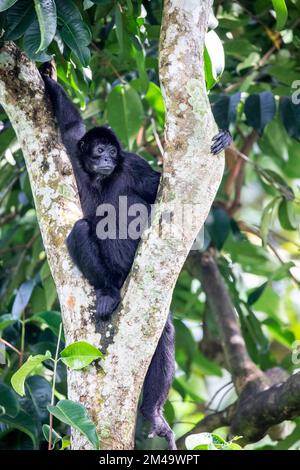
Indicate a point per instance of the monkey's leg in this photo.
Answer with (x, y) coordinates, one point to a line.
(84, 251)
(157, 384)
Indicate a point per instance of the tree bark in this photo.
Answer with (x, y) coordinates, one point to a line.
(191, 178)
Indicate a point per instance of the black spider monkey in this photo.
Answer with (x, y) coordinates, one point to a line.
(103, 172)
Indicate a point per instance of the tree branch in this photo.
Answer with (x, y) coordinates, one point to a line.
(255, 415)
(265, 399)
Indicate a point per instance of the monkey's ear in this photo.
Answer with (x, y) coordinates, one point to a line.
(82, 146)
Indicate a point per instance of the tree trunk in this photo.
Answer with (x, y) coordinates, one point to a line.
(190, 180)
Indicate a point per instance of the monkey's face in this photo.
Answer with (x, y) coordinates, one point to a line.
(99, 157)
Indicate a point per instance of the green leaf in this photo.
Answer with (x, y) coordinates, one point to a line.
(104, 7)
(206, 366)
(260, 109)
(286, 215)
(32, 41)
(281, 14)
(55, 436)
(75, 415)
(232, 446)
(51, 318)
(75, 33)
(9, 401)
(5, 4)
(282, 271)
(290, 115)
(19, 18)
(46, 14)
(6, 320)
(66, 442)
(218, 226)
(125, 112)
(22, 298)
(193, 441)
(79, 355)
(256, 293)
(281, 334)
(24, 423)
(214, 58)
(19, 377)
(267, 219)
(138, 53)
(208, 71)
(224, 110)
(7, 138)
(38, 397)
(119, 28)
(155, 100)
(274, 179)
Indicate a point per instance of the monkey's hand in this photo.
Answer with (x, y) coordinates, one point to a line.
(221, 141)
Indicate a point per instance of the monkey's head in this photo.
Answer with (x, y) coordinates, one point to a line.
(100, 152)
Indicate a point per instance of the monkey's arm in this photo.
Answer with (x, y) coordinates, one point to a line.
(69, 121)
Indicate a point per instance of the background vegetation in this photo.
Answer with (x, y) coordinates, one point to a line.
(106, 54)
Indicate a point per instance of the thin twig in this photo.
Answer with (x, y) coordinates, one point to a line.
(53, 387)
(217, 393)
(156, 136)
(9, 345)
(256, 232)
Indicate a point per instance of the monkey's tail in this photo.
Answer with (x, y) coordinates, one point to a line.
(157, 384)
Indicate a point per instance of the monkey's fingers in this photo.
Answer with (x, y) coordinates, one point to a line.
(221, 141)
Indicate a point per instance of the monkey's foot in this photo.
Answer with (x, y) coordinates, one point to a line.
(107, 301)
(221, 141)
(160, 428)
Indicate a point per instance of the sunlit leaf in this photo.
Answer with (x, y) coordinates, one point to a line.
(55, 436)
(19, 377)
(9, 401)
(125, 112)
(46, 14)
(286, 215)
(281, 14)
(80, 354)
(290, 115)
(224, 110)
(6, 320)
(5, 4)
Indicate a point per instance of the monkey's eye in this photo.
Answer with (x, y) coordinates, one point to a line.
(100, 149)
(113, 152)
